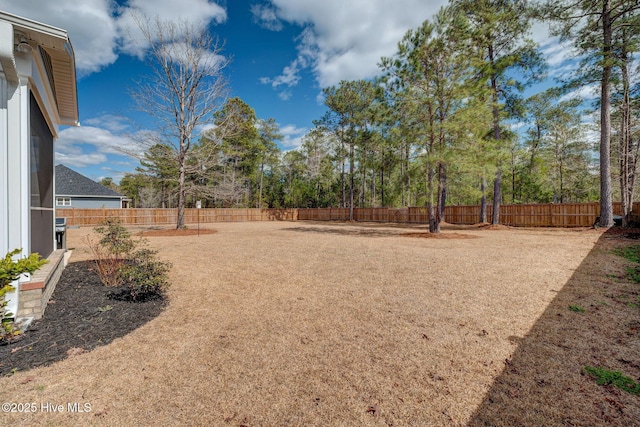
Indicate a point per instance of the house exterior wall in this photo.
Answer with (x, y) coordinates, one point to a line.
(14, 181)
(22, 76)
(15, 145)
(90, 203)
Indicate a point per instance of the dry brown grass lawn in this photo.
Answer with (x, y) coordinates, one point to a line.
(324, 324)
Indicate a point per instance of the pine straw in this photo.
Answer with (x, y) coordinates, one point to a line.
(317, 324)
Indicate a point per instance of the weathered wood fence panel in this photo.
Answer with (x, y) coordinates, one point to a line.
(532, 215)
(91, 217)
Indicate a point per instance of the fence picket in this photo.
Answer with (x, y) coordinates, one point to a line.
(529, 215)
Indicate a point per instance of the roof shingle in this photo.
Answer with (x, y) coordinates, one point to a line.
(71, 183)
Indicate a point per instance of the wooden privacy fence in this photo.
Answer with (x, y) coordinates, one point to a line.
(537, 215)
(534, 215)
(91, 217)
(531, 215)
(359, 214)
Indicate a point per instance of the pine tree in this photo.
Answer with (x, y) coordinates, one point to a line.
(595, 28)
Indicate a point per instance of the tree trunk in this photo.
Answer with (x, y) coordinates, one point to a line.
(342, 181)
(606, 203)
(181, 196)
(261, 180)
(513, 175)
(561, 172)
(382, 201)
(351, 180)
(497, 182)
(439, 195)
(431, 206)
(443, 192)
(627, 157)
(373, 188)
(363, 196)
(483, 200)
(407, 155)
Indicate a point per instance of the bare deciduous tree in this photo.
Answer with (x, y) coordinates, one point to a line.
(184, 88)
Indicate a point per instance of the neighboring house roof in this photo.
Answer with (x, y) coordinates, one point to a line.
(71, 183)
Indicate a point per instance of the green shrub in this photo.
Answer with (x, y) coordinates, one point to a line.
(120, 262)
(111, 252)
(11, 270)
(144, 276)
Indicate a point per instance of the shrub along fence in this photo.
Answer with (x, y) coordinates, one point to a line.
(532, 215)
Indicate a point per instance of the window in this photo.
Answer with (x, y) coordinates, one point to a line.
(63, 201)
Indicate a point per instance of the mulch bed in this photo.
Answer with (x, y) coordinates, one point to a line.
(80, 317)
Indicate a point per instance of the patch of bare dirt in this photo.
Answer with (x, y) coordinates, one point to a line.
(173, 232)
(444, 236)
(487, 226)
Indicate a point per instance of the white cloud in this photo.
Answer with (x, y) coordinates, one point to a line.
(557, 53)
(292, 136)
(517, 126)
(116, 170)
(112, 122)
(89, 23)
(586, 93)
(266, 17)
(98, 29)
(203, 129)
(105, 136)
(189, 56)
(290, 74)
(199, 12)
(344, 40)
(80, 161)
(285, 95)
(102, 139)
(561, 57)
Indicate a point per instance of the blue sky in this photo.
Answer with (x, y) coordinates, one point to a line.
(282, 53)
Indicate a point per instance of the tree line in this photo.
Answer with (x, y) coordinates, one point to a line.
(445, 121)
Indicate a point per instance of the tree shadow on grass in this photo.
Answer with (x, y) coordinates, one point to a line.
(360, 231)
(379, 230)
(544, 382)
(80, 317)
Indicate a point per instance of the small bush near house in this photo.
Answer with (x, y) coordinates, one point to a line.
(111, 251)
(122, 263)
(11, 270)
(143, 277)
